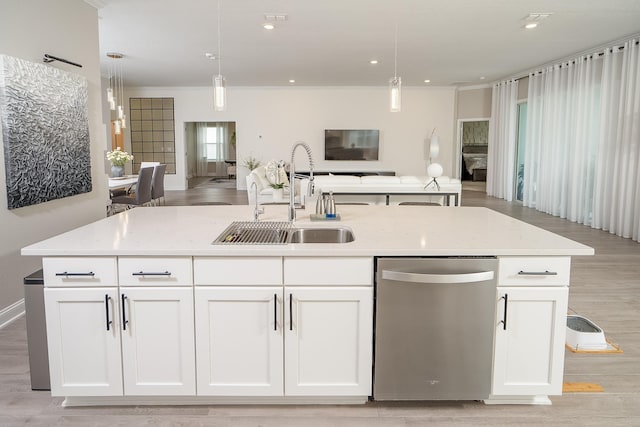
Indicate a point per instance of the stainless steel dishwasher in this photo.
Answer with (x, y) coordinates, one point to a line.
(434, 328)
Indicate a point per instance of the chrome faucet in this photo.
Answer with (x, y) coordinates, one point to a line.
(293, 176)
(256, 211)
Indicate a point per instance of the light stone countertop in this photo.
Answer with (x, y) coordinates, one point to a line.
(378, 230)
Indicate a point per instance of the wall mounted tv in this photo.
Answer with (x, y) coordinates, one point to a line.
(351, 144)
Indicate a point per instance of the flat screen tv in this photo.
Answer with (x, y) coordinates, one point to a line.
(351, 144)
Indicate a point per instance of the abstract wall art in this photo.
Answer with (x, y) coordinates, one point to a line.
(45, 132)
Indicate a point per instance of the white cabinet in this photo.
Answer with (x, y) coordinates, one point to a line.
(158, 348)
(239, 340)
(110, 341)
(328, 341)
(529, 341)
(313, 338)
(84, 341)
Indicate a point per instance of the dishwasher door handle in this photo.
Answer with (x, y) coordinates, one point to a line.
(401, 276)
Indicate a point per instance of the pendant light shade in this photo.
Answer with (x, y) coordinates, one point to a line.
(219, 93)
(395, 86)
(219, 83)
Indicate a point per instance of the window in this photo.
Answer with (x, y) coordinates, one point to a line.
(214, 143)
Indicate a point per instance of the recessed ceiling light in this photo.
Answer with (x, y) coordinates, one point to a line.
(482, 78)
(292, 81)
(427, 81)
(268, 26)
(212, 56)
(531, 25)
(373, 62)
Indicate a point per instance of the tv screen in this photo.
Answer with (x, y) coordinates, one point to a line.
(351, 144)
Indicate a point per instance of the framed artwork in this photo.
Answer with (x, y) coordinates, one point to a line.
(45, 132)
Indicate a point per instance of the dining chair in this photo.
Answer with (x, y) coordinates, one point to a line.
(157, 184)
(142, 194)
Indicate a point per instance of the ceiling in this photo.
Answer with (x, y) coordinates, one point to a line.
(330, 42)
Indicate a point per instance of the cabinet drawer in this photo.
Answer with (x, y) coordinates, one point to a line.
(255, 271)
(154, 271)
(534, 271)
(80, 271)
(335, 271)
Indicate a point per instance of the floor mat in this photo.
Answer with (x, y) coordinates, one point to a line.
(611, 348)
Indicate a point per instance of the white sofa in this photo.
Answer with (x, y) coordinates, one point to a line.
(365, 189)
(265, 191)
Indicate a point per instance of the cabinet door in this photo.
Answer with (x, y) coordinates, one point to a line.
(84, 341)
(158, 349)
(529, 349)
(239, 336)
(328, 341)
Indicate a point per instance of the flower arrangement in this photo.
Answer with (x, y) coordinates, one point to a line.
(250, 163)
(276, 175)
(118, 157)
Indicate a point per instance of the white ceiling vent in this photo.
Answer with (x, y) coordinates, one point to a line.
(275, 17)
(537, 17)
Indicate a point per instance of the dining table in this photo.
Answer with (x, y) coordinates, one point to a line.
(126, 181)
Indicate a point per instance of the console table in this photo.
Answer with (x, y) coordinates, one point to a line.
(365, 192)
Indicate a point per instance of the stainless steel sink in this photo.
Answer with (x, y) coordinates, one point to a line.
(280, 233)
(321, 235)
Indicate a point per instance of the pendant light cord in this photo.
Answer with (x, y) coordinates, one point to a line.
(395, 58)
(219, 50)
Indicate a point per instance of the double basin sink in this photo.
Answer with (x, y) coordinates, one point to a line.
(271, 232)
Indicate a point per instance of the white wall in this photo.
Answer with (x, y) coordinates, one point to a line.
(270, 120)
(67, 29)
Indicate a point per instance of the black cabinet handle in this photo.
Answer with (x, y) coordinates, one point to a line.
(275, 312)
(124, 313)
(537, 273)
(106, 310)
(504, 316)
(66, 273)
(291, 312)
(151, 273)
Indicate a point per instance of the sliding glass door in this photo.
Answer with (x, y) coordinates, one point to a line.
(521, 141)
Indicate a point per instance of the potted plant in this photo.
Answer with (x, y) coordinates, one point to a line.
(118, 158)
(277, 178)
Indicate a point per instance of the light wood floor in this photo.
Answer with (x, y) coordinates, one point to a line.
(604, 288)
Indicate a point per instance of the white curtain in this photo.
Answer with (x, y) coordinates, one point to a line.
(201, 149)
(582, 156)
(502, 140)
(561, 139)
(616, 205)
(221, 149)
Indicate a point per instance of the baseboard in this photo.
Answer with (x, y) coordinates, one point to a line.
(71, 401)
(11, 313)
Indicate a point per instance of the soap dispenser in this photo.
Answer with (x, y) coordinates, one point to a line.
(331, 206)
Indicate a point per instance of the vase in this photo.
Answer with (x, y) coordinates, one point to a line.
(278, 194)
(117, 171)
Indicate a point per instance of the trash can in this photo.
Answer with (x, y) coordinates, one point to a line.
(36, 331)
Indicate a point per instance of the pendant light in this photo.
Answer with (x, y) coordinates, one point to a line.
(115, 92)
(395, 84)
(219, 84)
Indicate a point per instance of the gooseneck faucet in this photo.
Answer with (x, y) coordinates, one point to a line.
(292, 177)
(256, 211)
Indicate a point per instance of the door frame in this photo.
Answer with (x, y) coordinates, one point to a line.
(457, 167)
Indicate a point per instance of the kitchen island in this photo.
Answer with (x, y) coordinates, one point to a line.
(142, 308)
